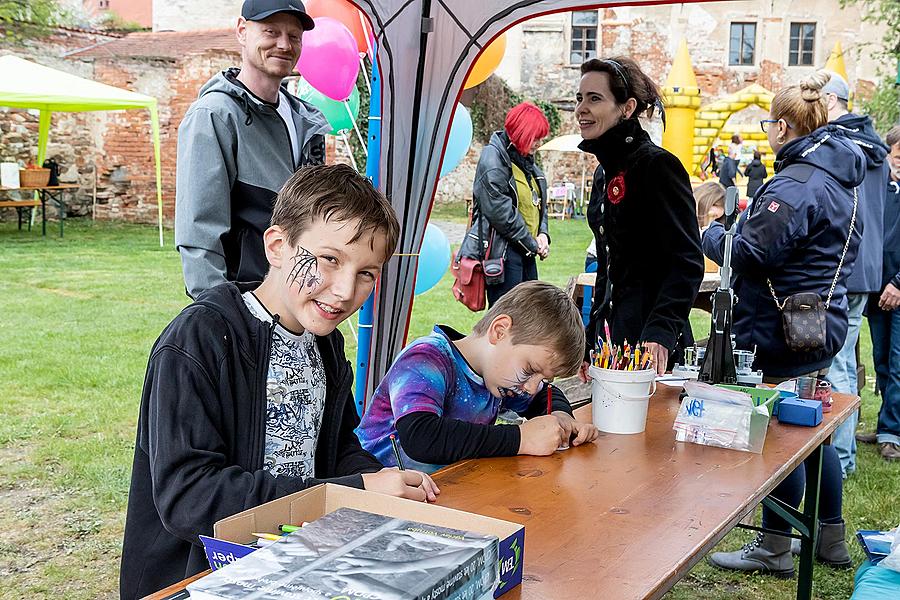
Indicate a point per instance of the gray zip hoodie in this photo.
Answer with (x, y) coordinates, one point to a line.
(234, 154)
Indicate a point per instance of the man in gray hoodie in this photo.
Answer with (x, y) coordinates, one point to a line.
(238, 143)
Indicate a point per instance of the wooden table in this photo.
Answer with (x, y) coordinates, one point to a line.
(629, 515)
(54, 193)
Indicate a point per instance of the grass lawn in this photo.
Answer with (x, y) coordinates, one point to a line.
(80, 315)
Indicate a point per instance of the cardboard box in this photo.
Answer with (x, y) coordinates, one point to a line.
(234, 533)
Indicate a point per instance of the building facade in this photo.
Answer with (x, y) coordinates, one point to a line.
(138, 12)
(732, 44)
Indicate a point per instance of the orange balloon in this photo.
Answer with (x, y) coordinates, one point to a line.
(346, 13)
(487, 62)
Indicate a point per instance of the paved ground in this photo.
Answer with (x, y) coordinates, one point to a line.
(454, 231)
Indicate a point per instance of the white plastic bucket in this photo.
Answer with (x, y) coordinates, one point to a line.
(620, 399)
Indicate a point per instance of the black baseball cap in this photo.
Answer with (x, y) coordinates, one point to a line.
(258, 10)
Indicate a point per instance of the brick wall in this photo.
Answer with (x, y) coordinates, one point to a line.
(72, 135)
(111, 150)
(126, 179)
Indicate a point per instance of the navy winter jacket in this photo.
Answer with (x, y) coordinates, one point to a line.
(866, 274)
(793, 234)
(891, 266)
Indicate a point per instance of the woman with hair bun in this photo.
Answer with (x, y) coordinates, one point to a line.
(642, 214)
(509, 212)
(799, 235)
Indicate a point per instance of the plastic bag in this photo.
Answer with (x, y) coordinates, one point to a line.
(892, 560)
(713, 416)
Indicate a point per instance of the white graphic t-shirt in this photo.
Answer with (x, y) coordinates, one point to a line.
(295, 398)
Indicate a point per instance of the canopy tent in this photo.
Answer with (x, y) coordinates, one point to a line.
(425, 51)
(567, 143)
(24, 84)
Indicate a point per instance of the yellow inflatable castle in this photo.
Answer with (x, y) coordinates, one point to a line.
(692, 129)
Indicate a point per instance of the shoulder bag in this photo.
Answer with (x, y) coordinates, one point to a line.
(803, 315)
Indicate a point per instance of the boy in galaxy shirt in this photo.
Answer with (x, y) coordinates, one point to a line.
(442, 395)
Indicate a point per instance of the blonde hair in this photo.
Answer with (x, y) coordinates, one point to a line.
(542, 315)
(803, 106)
(707, 195)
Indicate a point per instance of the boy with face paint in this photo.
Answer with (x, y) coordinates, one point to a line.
(441, 397)
(247, 395)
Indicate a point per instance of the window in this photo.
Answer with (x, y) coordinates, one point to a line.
(584, 36)
(742, 48)
(103, 4)
(803, 44)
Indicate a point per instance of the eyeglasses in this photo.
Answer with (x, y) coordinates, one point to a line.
(764, 124)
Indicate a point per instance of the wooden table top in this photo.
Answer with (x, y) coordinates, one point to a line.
(629, 515)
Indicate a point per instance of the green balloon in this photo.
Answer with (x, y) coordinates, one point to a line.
(335, 112)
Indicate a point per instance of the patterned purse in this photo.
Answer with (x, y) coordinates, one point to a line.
(803, 314)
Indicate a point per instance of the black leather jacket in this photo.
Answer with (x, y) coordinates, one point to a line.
(495, 205)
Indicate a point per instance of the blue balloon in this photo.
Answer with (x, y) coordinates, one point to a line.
(434, 259)
(459, 140)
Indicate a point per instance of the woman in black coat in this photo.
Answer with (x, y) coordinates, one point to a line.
(756, 173)
(642, 214)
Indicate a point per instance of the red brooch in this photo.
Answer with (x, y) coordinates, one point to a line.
(615, 189)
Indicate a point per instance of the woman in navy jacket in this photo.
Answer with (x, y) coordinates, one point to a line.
(795, 234)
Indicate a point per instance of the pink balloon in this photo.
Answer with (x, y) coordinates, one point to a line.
(330, 59)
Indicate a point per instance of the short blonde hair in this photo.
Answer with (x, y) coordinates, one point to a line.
(803, 106)
(707, 195)
(542, 315)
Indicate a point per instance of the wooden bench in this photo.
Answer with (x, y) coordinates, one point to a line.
(20, 206)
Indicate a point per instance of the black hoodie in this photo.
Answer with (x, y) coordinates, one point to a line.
(755, 174)
(866, 274)
(201, 433)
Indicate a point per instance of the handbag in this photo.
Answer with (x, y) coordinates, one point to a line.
(803, 315)
(468, 287)
(471, 275)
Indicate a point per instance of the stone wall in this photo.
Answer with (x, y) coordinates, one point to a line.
(72, 135)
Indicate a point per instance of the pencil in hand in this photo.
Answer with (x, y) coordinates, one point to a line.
(397, 452)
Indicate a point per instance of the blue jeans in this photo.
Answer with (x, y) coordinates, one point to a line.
(885, 327)
(842, 376)
(516, 268)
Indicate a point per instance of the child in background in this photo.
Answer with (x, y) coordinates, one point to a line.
(710, 197)
(442, 395)
(247, 394)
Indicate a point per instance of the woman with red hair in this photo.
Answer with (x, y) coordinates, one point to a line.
(509, 212)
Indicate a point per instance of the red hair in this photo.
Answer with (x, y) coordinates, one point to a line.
(524, 124)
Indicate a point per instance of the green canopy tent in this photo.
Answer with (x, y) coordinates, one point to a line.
(24, 84)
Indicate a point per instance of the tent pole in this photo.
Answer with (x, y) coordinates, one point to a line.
(43, 137)
(367, 313)
(154, 126)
